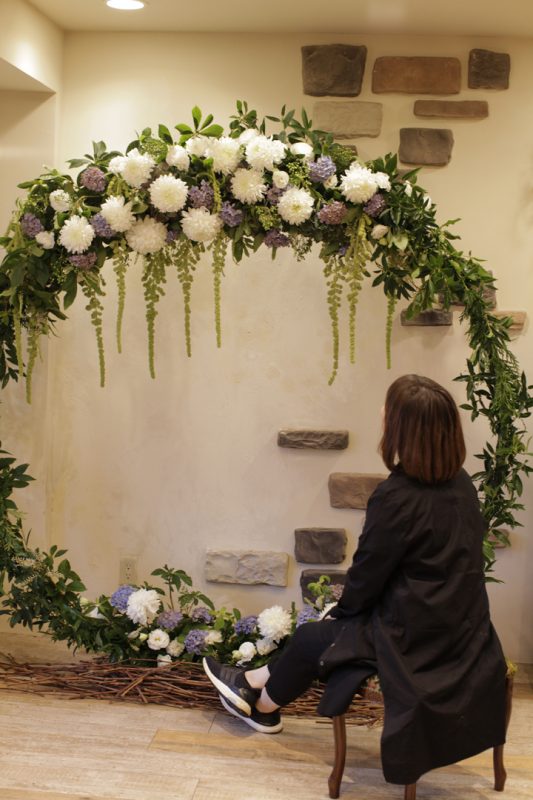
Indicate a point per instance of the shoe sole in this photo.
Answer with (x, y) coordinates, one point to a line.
(249, 721)
(226, 692)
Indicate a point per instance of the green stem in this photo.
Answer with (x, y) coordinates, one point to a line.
(185, 258)
(34, 331)
(120, 266)
(153, 280)
(92, 287)
(220, 246)
(391, 305)
(17, 325)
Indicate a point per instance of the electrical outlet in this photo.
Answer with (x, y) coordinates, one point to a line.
(128, 570)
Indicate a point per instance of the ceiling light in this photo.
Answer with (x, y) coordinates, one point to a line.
(125, 5)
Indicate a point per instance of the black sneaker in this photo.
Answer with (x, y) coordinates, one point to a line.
(231, 684)
(258, 720)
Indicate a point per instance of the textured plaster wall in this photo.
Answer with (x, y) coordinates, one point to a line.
(164, 469)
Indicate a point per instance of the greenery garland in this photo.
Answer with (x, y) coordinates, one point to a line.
(167, 202)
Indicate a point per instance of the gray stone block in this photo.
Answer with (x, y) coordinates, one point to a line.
(488, 70)
(348, 119)
(433, 317)
(313, 439)
(430, 146)
(247, 567)
(352, 489)
(338, 578)
(452, 109)
(416, 75)
(320, 545)
(333, 69)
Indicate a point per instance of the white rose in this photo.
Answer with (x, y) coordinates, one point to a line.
(302, 149)
(246, 651)
(45, 239)
(164, 660)
(158, 639)
(213, 637)
(265, 646)
(59, 200)
(175, 648)
(280, 179)
(331, 182)
(95, 613)
(379, 231)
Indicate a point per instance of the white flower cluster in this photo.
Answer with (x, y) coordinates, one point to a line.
(46, 239)
(248, 186)
(274, 623)
(295, 206)
(117, 213)
(226, 154)
(135, 167)
(168, 194)
(147, 236)
(76, 234)
(143, 606)
(59, 200)
(359, 184)
(178, 157)
(263, 152)
(200, 225)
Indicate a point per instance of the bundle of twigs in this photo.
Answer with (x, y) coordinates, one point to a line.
(180, 684)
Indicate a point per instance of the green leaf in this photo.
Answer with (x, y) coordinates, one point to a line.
(71, 289)
(165, 134)
(213, 130)
(197, 117)
(183, 128)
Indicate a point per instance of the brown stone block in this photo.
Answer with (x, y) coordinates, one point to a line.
(430, 146)
(352, 489)
(416, 75)
(489, 295)
(456, 109)
(348, 119)
(488, 70)
(433, 317)
(518, 320)
(313, 439)
(333, 69)
(320, 545)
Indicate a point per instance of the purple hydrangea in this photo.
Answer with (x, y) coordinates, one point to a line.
(333, 213)
(119, 599)
(83, 261)
(195, 641)
(169, 619)
(93, 178)
(202, 196)
(201, 614)
(101, 226)
(375, 205)
(245, 625)
(273, 195)
(307, 614)
(275, 238)
(231, 215)
(31, 225)
(322, 169)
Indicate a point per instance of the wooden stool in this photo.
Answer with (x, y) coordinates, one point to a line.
(339, 734)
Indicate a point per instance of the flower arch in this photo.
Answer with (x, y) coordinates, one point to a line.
(167, 200)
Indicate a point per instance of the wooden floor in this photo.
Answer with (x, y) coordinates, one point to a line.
(57, 749)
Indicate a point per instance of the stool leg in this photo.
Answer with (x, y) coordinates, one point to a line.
(339, 735)
(500, 774)
(410, 792)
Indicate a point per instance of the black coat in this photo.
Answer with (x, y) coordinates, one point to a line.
(415, 605)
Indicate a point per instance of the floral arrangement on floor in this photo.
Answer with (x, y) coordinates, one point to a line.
(170, 198)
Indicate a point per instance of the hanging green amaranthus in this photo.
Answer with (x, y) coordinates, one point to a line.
(391, 305)
(92, 287)
(121, 255)
(185, 257)
(153, 280)
(219, 249)
(17, 314)
(356, 258)
(37, 326)
(334, 272)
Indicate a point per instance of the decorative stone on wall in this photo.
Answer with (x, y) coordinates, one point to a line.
(519, 320)
(488, 70)
(489, 296)
(429, 146)
(247, 566)
(313, 439)
(337, 576)
(320, 545)
(333, 69)
(347, 119)
(352, 489)
(432, 317)
(456, 109)
(416, 75)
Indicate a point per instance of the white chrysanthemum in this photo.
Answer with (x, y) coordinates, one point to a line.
(331, 182)
(247, 135)
(265, 646)
(142, 607)
(175, 648)
(168, 194)
(247, 185)
(358, 184)
(246, 652)
(116, 165)
(280, 179)
(263, 152)
(164, 660)
(137, 168)
(46, 239)
(76, 234)
(117, 213)
(274, 623)
(302, 149)
(379, 231)
(213, 637)
(226, 154)
(59, 200)
(197, 146)
(147, 236)
(178, 157)
(158, 639)
(382, 180)
(295, 206)
(199, 225)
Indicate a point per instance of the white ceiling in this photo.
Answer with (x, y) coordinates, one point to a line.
(447, 17)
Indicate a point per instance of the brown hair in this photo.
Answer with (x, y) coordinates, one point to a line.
(422, 430)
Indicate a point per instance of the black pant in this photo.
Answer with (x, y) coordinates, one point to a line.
(298, 664)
